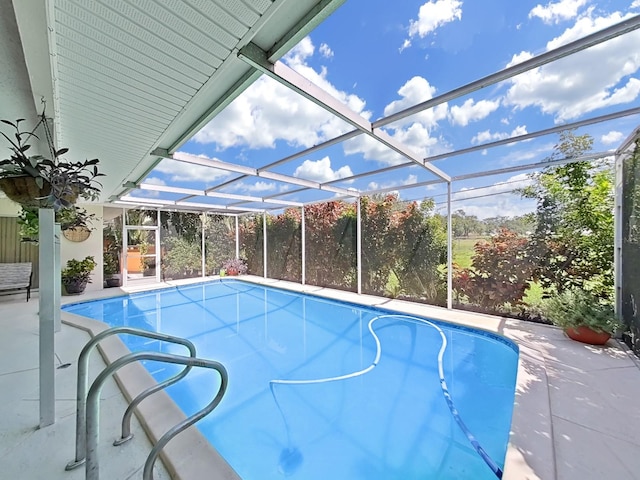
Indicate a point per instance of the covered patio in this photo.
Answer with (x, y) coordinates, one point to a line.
(132, 85)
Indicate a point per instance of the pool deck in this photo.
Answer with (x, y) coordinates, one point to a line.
(576, 412)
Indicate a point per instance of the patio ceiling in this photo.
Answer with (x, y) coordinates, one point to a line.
(124, 78)
(131, 82)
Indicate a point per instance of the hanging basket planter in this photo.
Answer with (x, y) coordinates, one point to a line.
(25, 191)
(76, 234)
(44, 181)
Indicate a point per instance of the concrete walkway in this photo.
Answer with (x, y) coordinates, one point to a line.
(30, 453)
(576, 414)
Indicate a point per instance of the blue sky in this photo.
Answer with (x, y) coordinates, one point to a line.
(379, 57)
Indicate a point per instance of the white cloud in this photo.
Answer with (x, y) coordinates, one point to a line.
(258, 187)
(432, 15)
(321, 171)
(154, 181)
(268, 112)
(415, 132)
(410, 180)
(150, 193)
(471, 111)
(612, 137)
(571, 87)
(558, 11)
(487, 136)
(417, 90)
(185, 172)
(326, 51)
(494, 200)
(635, 4)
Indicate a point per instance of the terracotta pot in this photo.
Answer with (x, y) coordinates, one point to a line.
(586, 335)
(232, 272)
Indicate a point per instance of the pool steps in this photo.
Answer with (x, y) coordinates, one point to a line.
(87, 405)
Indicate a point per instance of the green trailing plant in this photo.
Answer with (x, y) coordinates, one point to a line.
(74, 217)
(28, 225)
(576, 307)
(60, 182)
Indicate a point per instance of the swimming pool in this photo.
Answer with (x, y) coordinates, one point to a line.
(324, 389)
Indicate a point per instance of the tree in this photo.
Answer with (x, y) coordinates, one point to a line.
(573, 241)
(463, 225)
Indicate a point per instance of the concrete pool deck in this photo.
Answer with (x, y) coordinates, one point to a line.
(575, 413)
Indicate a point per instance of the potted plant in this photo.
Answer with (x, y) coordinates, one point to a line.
(74, 223)
(234, 266)
(111, 269)
(75, 275)
(38, 181)
(583, 316)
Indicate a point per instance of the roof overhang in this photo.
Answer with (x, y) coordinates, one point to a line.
(123, 82)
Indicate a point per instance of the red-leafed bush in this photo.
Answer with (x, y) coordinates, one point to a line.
(499, 274)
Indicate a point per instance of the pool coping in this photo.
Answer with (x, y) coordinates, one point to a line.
(189, 455)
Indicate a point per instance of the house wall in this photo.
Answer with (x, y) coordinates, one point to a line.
(91, 246)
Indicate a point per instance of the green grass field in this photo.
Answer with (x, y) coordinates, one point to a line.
(463, 250)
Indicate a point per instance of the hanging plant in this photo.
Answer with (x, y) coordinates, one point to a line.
(38, 181)
(74, 223)
(28, 225)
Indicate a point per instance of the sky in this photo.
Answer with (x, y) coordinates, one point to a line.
(379, 57)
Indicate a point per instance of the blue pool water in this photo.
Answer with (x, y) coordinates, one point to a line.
(320, 389)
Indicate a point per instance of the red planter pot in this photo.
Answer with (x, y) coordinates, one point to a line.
(586, 335)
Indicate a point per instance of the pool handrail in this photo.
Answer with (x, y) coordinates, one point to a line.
(82, 387)
(92, 468)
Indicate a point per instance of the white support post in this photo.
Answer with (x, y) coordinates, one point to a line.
(359, 244)
(125, 249)
(203, 224)
(237, 237)
(46, 237)
(57, 281)
(303, 248)
(617, 236)
(157, 240)
(264, 242)
(449, 250)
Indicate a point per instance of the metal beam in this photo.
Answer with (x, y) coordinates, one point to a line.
(635, 135)
(539, 133)
(230, 167)
(256, 57)
(536, 165)
(308, 151)
(307, 23)
(601, 36)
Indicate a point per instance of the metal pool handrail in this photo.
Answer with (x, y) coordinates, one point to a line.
(81, 397)
(93, 400)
